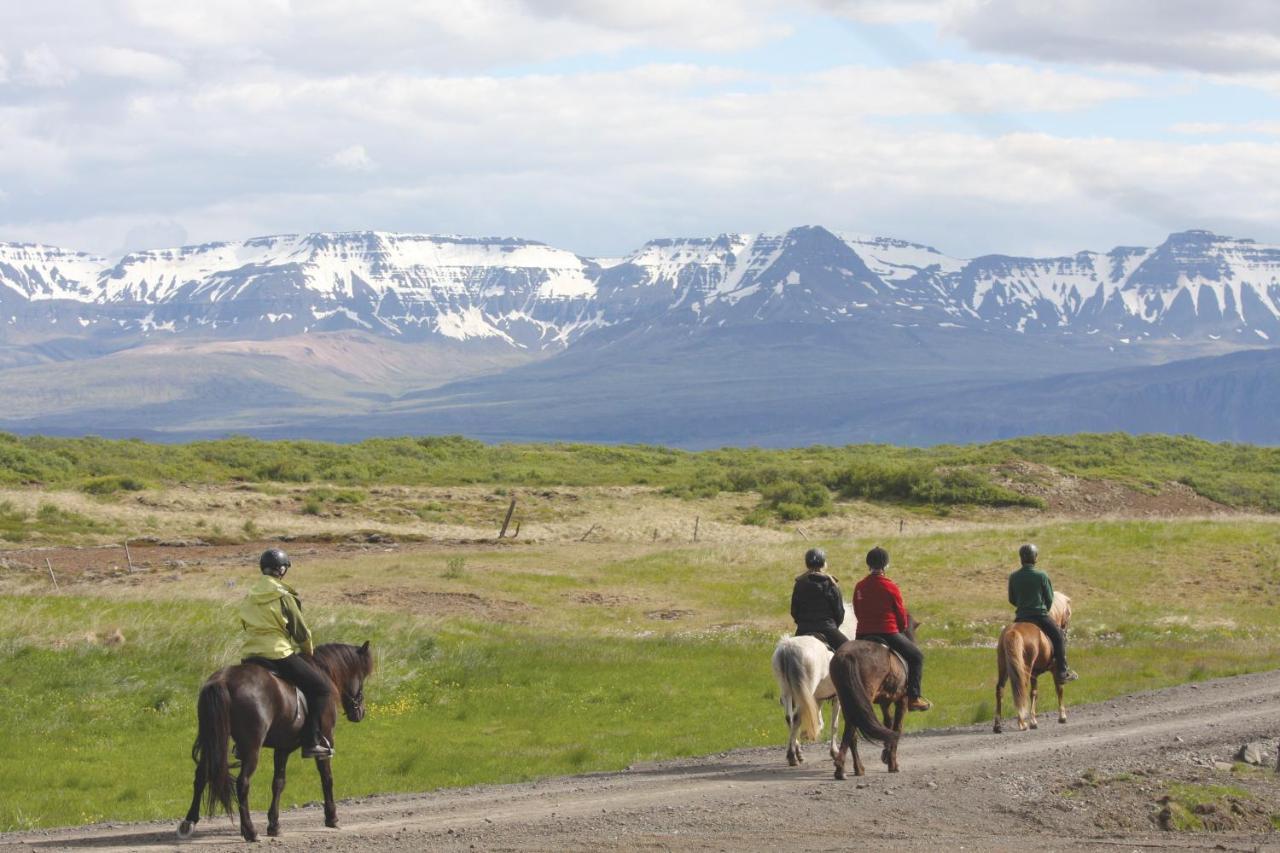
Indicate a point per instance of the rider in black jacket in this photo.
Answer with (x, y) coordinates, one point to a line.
(816, 605)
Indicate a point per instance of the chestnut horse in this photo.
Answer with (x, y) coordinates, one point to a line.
(249, 705)
(1023, 654)
(864, 673)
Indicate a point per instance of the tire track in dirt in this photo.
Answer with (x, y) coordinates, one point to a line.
(959, 787)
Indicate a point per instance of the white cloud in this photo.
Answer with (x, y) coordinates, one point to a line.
(1238, 36)
(43, 68)
(1215, 128)
(886, 11)
(132, 64)
(353, 158)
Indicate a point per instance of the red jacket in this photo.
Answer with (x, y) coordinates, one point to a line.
(877, 602)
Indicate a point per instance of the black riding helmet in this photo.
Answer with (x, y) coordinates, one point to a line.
(814, 559)
(1028, 554)
(877, 559)
(274, 562)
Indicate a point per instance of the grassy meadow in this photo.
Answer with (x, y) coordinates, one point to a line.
(604, 634)
(501, 664)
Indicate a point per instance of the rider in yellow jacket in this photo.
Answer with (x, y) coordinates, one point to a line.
(277, 637)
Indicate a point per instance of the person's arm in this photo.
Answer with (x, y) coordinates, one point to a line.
(899, 606)
(837, 604)
(1046, 590)
(1012, 599)
(795, 603)
(295, 624)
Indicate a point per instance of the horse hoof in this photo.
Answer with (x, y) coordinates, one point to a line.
(1062, 720)
(250, 836)
(185, 829)
(799, 758)
(273, 831)
(331, 823)
(1035, 725)
(997, 729)
(792, 760)
(840, 774)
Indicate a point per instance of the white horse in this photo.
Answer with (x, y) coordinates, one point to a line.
(802, 667)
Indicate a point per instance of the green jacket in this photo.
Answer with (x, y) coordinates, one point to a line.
(1031, 592)
(271, 616)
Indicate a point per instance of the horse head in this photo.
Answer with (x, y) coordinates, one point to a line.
(1060, 612)
(348, 666)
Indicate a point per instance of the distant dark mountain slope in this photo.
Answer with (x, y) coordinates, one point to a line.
(1232, 397)
(769, 384)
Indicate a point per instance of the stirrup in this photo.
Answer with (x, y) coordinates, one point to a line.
(317, 751)
(322, 748)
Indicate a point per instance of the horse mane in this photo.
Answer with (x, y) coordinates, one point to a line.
(1060, 612)
(340, 658)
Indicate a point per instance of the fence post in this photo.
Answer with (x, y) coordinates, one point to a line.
(696, 521)
(128, 556)
(49, 566)
(506, 521)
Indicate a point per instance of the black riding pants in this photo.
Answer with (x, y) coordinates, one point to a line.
(1055, 635)
(910, 652)
(827, 631)
(302, 672)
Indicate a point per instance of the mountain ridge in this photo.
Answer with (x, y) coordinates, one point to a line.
(531, 295)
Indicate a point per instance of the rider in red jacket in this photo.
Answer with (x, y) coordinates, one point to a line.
(882, 615)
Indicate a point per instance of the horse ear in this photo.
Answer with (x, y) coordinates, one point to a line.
(364, 650)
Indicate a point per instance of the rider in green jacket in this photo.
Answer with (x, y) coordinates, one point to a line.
(1031, 592)
(277, 638)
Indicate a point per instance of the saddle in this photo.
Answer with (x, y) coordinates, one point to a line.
(300, 712)
(880, 642)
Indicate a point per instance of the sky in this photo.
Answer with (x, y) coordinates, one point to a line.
(975, 126)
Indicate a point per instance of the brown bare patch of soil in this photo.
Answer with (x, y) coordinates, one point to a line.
(1069, 495)
(669, 614)
(426, 603)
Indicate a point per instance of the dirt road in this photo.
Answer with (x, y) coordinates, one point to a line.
(1095, 783)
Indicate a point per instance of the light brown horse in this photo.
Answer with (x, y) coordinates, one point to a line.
(864, 673)
(1023, 654)
(246, 704)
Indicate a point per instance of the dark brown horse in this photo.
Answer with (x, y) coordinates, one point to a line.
(250, 706)
(865, 673)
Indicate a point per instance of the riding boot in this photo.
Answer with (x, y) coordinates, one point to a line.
(314, 744)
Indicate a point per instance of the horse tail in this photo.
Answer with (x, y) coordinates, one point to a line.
(1016, 664)
(213, 710)
(791, 675)
(855, 702)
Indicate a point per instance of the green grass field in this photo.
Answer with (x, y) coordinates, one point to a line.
(582, 675)
(1234, 474)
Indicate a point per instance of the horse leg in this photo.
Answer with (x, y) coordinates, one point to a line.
(835, 727)
(1035, 694)
(793, 723)
(858, 769)
(326, 782)
(188, 824)
(850, 735)
(1000, 680)
(1062, 706)
(248, 763)
(277, 788)
(890, 754)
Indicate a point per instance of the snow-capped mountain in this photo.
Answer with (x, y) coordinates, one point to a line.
(527, 295)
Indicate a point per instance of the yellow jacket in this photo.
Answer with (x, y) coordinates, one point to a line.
(271, 616)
